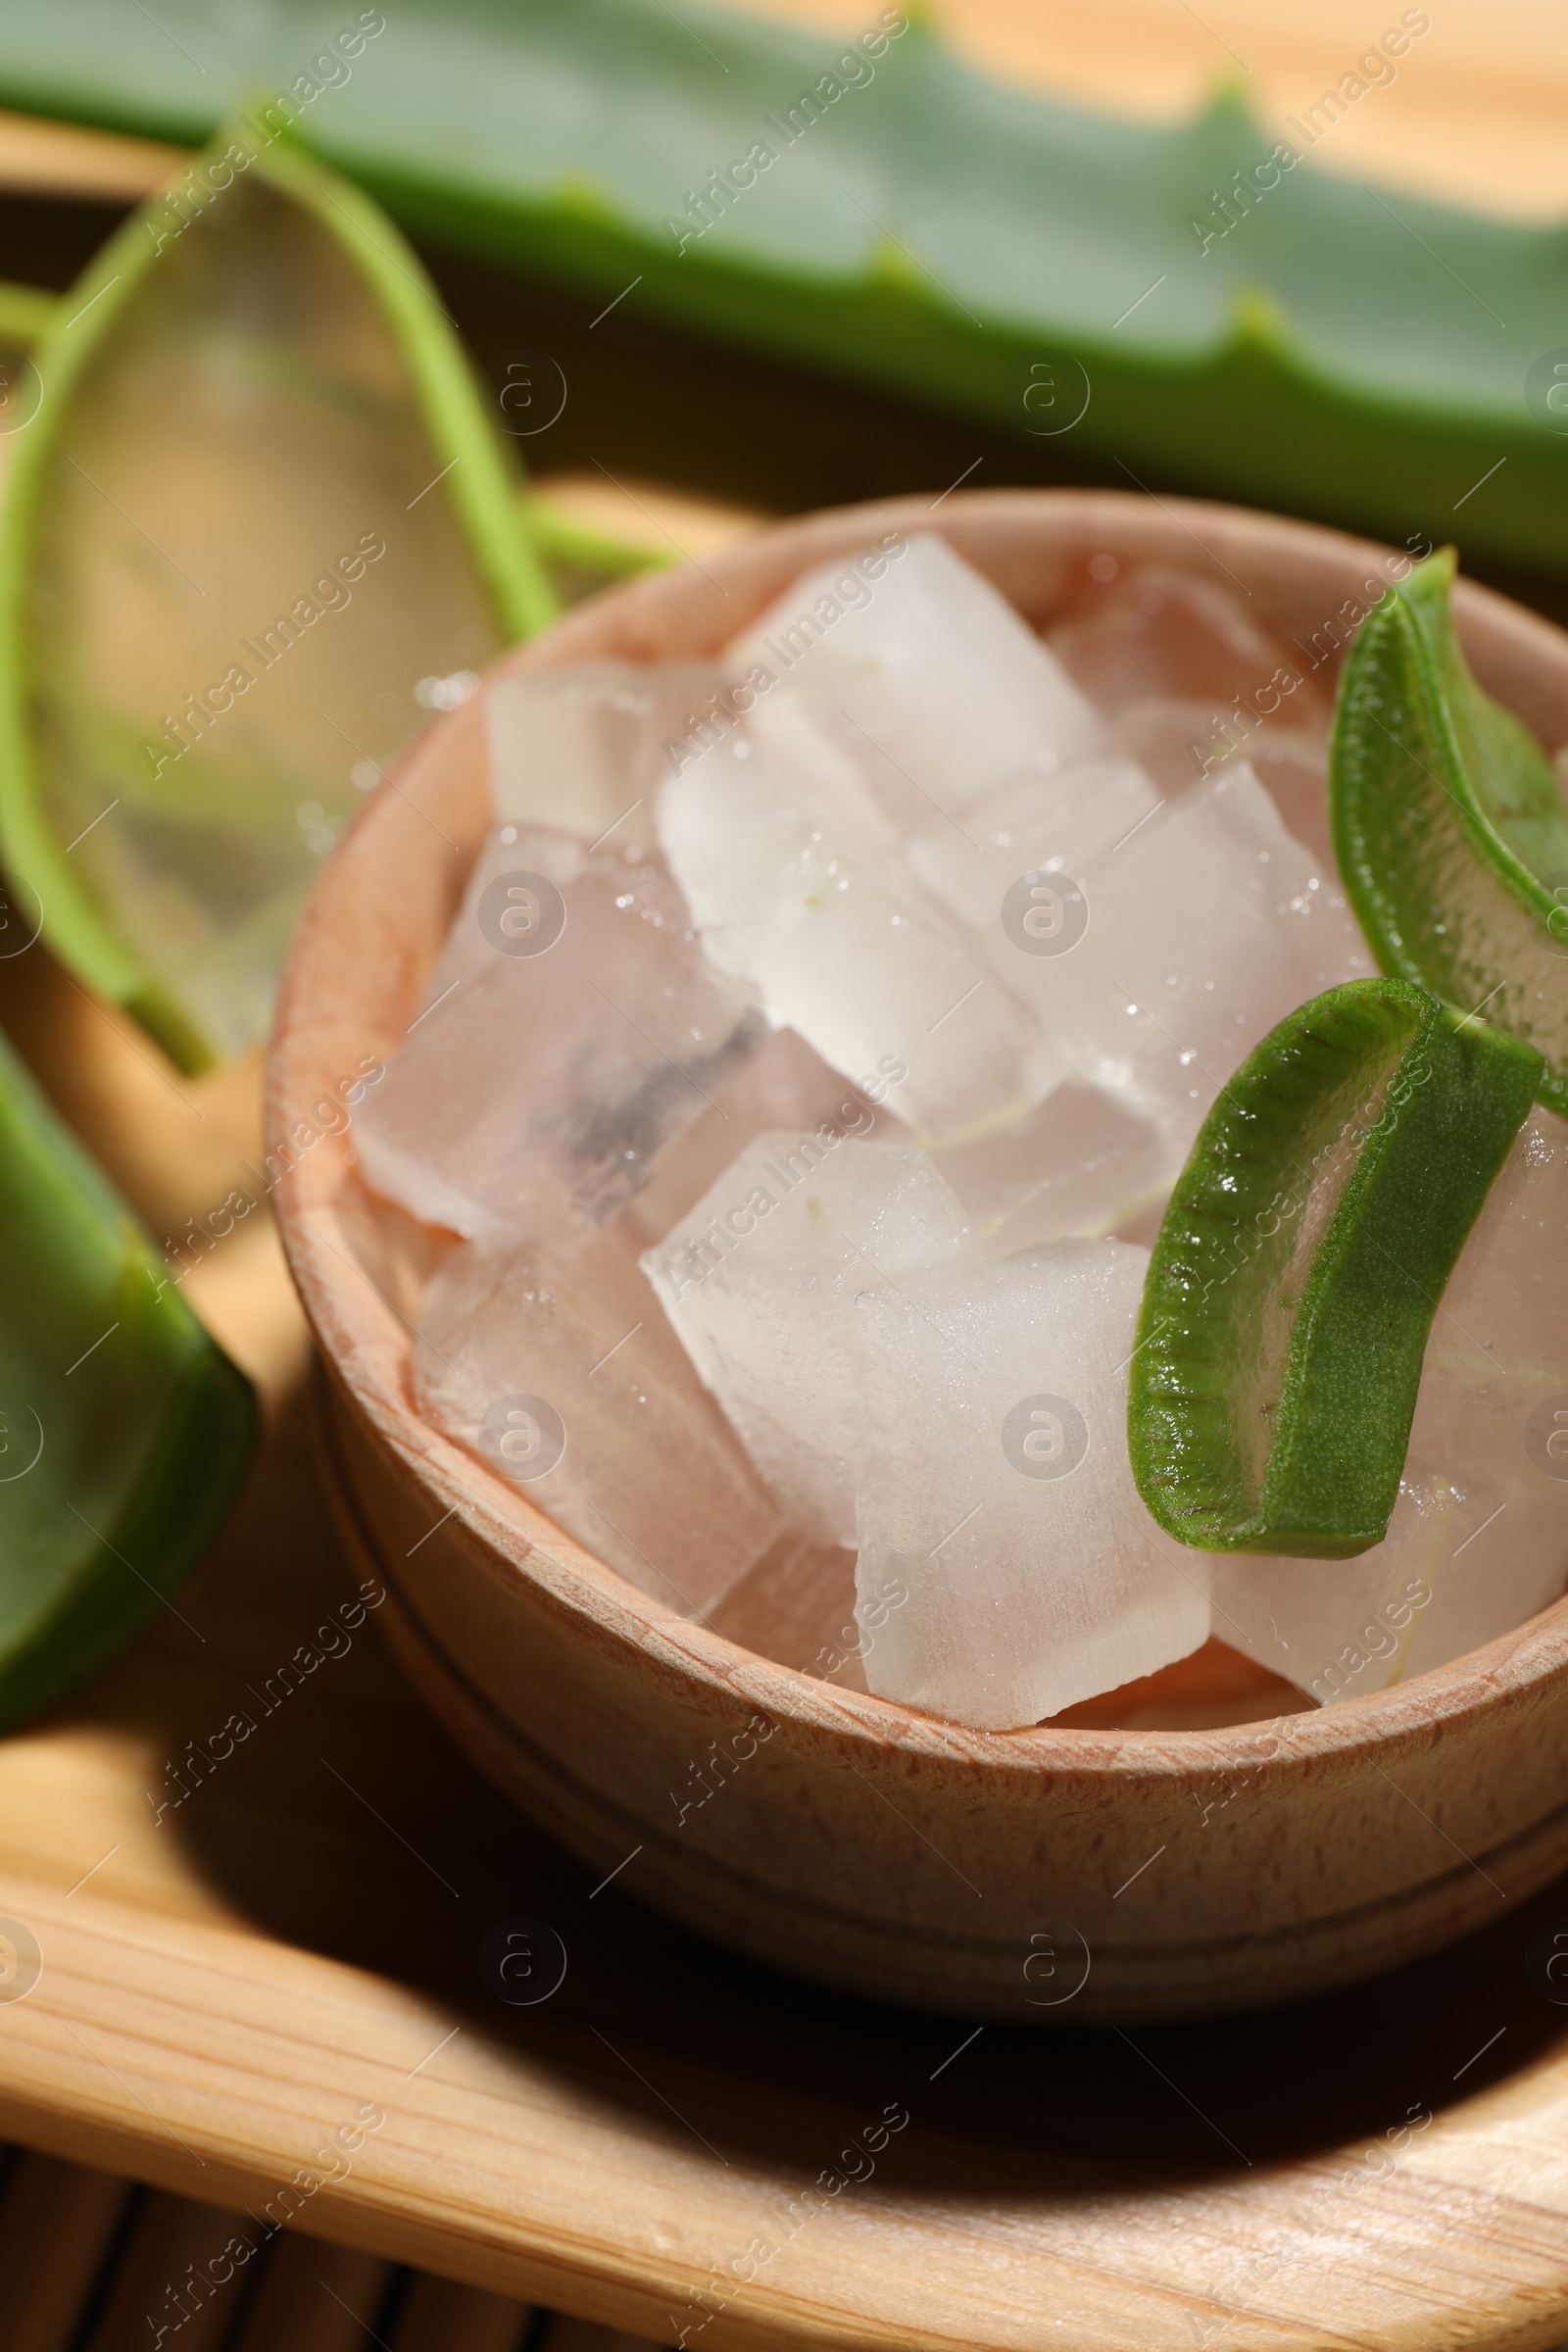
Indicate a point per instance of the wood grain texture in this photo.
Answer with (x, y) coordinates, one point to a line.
(59, 159)
(876, 1848)
(189, 2053)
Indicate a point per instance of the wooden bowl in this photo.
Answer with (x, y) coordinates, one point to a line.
(1065, 1875)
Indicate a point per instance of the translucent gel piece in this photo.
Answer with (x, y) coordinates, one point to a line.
(1063, 821)
(1161, 634)
(535, 1092)
(1205, 928)
(840, 946)
(651, 1479)
(783, 1085)
(760, 1282)
(985, 875)
(996, 1491)
(1180, 743)
(925, 678)
(1080, 1164)
(244, 574)
(584, 750)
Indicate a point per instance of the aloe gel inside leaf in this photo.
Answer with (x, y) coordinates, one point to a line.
(243, 569)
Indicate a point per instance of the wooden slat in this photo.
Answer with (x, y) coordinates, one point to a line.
(59, 159)
(551, 2172)
(674, 523)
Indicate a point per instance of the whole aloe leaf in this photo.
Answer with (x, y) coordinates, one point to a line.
(259, 515)
(1248, 324)
(124, 1431)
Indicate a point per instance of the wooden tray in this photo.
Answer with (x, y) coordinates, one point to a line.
(227, 1982)
(230, 1974)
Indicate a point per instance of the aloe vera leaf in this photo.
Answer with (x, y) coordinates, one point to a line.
(1448, 826)
(1300, 1264)
(124, 1431)
(259, 505)
(26, 312)
(560, 537)
(960, 243)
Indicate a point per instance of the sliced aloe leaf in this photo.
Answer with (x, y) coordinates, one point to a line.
(1248, 323)
(1300, 1264)
(124, 1431)
(1450, 826)
(259, 513)
(565, 538)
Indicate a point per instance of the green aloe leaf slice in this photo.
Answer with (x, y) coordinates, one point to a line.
(259, 524)
(1300, 1262)
(124, 1431)
(1449, 825)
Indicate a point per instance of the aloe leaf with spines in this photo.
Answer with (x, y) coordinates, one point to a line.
(1450, 826)
(1250, 325)
(124, 1431)
(1300, 1264)
(259, 522)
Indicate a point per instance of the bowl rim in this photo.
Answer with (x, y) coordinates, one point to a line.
(357, 1329)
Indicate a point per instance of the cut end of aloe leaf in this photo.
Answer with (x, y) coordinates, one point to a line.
(1449, 825)
(260, 519)
(1300, 1262)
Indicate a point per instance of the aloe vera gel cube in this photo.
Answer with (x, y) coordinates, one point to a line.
(922, 673)
(573, 1028)
(795, 901)
(997, 1491)
(765, 1282)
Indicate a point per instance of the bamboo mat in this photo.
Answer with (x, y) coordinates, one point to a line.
(89, 2263)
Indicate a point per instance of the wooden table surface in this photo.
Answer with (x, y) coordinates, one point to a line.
(228, 1980)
